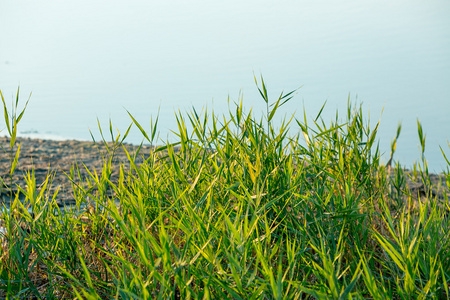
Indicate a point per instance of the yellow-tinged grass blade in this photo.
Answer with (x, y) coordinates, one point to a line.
(15, 161)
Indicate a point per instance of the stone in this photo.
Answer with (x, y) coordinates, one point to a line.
(46, 157)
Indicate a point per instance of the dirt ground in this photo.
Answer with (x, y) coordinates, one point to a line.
(58, 157)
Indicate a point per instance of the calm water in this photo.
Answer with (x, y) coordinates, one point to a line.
(84, 60)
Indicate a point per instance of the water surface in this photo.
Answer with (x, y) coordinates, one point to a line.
(84, 60)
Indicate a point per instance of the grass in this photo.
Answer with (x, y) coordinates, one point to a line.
(235, 209)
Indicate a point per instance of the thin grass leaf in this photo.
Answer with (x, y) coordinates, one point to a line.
(445, 157)
(140, 127)
(6, 116)
(320, 112)
(23, 110)
(15, 161)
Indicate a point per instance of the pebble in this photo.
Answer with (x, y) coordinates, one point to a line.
(57, 157)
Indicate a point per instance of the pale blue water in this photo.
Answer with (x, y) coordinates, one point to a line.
(84, 60)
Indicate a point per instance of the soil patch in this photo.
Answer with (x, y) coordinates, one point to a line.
(56, 158)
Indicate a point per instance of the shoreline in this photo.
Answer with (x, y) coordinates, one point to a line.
(57, 157)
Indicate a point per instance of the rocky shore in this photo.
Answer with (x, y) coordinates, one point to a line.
(56, 158)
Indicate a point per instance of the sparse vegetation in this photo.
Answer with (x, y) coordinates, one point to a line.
(235, 209)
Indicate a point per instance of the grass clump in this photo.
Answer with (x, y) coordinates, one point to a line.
(235, 209)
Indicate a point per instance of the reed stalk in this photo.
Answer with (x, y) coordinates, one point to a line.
(237, 208)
